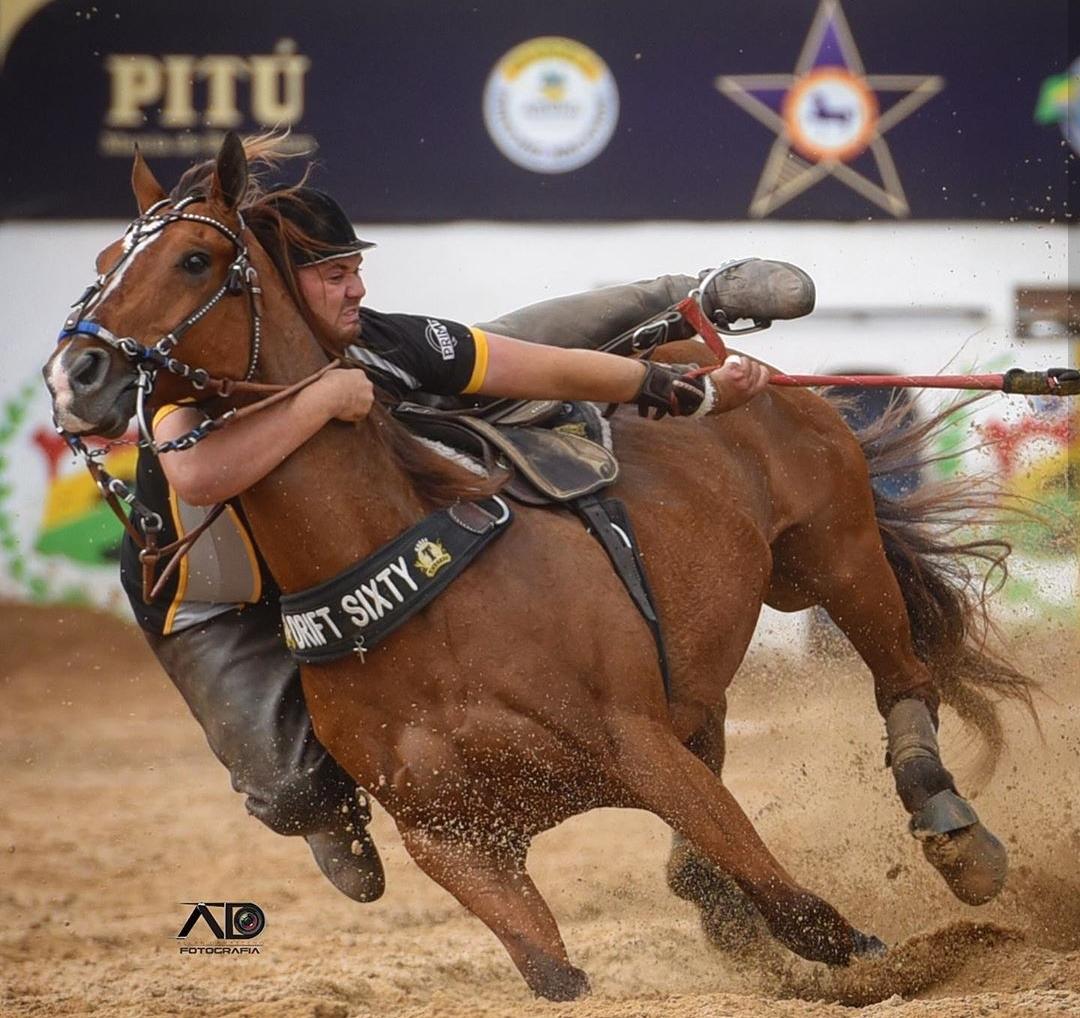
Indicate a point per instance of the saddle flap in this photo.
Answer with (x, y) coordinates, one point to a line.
(562, 465)
(559, 463)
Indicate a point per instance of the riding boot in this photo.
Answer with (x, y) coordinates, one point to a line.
(759, 289)
(243, 687)
(347, 855)
(753, 288)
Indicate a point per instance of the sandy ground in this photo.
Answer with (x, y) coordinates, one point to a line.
(113, 812)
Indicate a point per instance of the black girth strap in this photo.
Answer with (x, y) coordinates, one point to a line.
(353, 611)
(610, 524)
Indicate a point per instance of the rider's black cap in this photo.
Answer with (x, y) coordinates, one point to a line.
(322, 219)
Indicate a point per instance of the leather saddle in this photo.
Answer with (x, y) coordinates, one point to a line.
(555, 451)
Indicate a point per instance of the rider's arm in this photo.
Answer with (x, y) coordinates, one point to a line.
(529, 371)
(439, 356)
(522, 370)
(230, 461)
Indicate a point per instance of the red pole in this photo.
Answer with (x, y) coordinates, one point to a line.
(992, 382)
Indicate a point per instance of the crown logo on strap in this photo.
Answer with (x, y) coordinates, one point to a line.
(431, 556)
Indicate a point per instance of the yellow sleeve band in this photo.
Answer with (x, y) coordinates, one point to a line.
(480, 365)
(162, 413)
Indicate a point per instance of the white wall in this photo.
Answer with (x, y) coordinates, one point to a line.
(475, 271)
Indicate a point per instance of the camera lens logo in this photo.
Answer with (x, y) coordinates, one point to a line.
(551, 105)
(249, 921)
(243, 920)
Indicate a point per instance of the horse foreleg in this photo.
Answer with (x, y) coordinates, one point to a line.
(661, 775)
(972, 861)
(492, 883)
(728, 916)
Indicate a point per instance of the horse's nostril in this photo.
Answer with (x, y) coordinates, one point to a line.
(89, 370)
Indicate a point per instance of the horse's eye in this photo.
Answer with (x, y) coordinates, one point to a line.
(195, 263)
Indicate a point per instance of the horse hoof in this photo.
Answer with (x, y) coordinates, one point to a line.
(972, 861)
(867, 946)
(569, 984)
(553, 979)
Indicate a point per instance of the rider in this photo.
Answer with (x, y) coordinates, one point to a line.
(216, 626)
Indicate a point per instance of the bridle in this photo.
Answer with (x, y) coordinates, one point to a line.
(240, 278)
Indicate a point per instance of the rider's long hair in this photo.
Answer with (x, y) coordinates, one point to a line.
(277, 235)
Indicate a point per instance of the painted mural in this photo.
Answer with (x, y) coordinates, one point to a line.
(1031, 447)
(59, 541)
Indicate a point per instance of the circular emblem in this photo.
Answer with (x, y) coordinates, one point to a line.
(551, 105)
(830, 114)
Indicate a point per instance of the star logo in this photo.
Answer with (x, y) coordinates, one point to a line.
(830, 118)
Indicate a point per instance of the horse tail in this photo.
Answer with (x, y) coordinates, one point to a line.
(946, 574)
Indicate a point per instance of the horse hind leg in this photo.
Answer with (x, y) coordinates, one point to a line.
(490, 880)
(659, 774)
(847, 572)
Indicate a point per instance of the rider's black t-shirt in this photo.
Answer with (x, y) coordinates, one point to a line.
(402, 354)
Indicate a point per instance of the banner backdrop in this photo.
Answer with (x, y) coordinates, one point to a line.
(615, 109)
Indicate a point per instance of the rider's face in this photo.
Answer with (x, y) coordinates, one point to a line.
(333, 291)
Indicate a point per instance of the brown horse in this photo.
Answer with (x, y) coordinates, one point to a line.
(530, 690)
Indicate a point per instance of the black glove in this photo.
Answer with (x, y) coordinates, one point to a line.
(666, 390)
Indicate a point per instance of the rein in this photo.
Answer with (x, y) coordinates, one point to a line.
(241, 278)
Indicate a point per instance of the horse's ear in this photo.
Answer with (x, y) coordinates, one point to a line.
(143, 182)
(231, 172)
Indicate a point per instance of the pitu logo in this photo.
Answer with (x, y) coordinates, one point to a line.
(139, 80)
(243, 920)
(189, 91)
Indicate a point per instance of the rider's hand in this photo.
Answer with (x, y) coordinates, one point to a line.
(739, 379)
(348, 394)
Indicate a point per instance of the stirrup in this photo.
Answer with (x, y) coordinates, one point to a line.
(719, 318)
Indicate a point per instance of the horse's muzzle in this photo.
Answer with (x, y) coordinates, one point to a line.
(92, 389)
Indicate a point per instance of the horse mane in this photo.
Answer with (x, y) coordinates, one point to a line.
(265, 154)
(435, 478)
